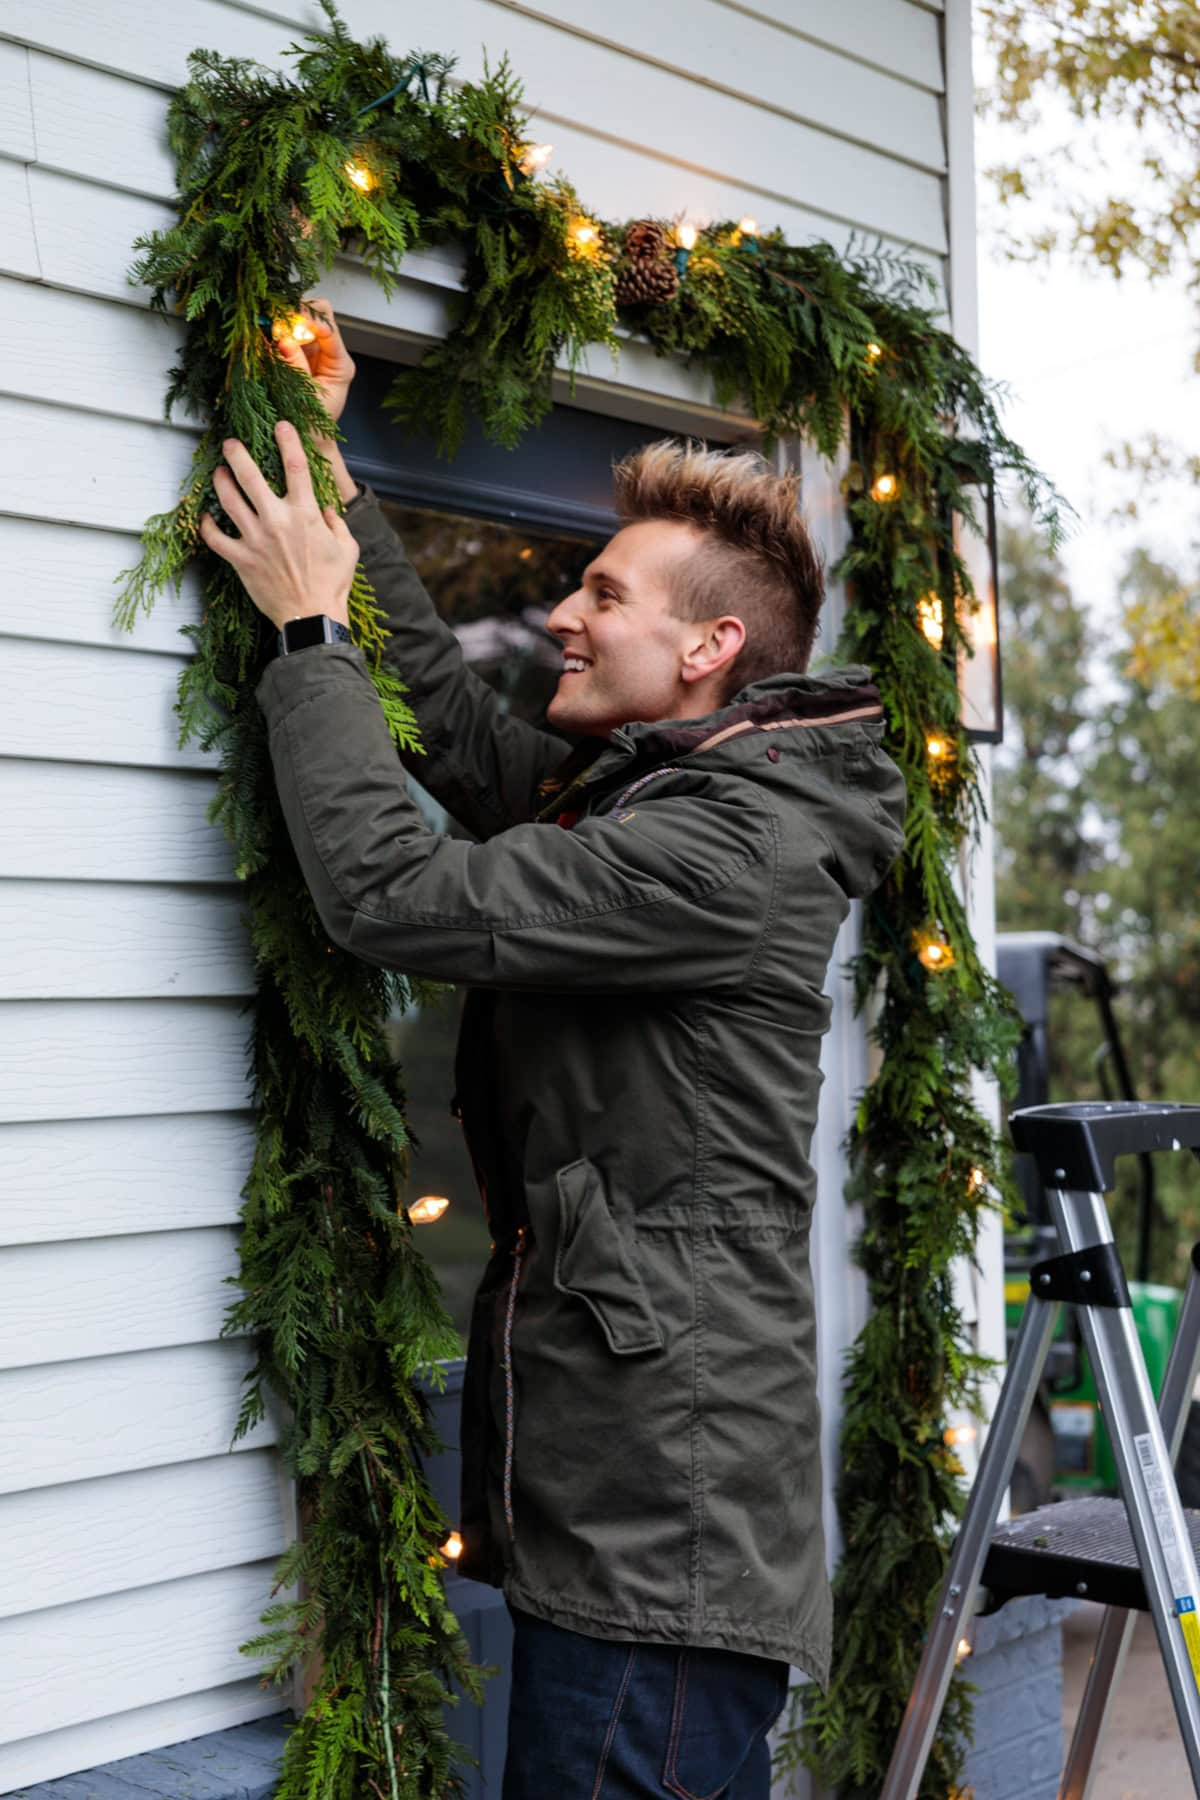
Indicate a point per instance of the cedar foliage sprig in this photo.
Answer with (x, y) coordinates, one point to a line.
(344, 1310)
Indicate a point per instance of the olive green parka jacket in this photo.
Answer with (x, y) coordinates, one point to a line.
(637, 1079)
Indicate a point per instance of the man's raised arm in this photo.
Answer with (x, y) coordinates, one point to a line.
(483, 765)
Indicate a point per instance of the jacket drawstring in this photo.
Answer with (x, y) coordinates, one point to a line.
(518, 1253)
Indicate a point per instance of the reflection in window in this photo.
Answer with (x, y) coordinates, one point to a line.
(496, 585)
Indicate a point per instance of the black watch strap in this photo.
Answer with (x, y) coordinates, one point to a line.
(317, 628)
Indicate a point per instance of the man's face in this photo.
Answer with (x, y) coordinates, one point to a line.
(624, 653)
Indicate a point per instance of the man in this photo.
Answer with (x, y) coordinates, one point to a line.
(637, 1075)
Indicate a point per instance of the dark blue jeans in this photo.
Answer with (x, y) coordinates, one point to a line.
(594, 1720)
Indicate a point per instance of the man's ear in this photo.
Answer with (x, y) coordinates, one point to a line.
(717, 643)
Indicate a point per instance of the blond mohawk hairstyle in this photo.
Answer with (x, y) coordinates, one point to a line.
(759, 562)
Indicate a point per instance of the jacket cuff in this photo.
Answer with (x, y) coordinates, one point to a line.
(289, 680)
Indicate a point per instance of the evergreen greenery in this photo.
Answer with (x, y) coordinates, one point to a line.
(356, 149)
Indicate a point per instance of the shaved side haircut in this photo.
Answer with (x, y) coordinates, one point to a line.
(758, 561)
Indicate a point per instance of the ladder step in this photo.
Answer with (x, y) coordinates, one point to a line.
(1071, 1548)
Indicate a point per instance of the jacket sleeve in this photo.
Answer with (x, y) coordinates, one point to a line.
(483, 765)
(670, 893)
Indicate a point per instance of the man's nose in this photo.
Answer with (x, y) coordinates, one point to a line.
(567, 616)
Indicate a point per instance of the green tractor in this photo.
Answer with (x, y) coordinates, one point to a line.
(1065, 1450)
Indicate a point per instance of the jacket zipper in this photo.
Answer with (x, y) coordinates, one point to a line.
(509, 1407)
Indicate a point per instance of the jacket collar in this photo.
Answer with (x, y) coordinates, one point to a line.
(777, 703)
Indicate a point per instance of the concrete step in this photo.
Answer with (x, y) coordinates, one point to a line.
(239, 1764)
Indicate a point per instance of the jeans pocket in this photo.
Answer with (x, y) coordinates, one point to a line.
(725, 1703)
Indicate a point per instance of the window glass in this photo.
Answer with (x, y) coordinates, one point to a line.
(495, 584)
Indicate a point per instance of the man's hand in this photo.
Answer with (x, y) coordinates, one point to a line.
(326, 359)
(293, 558)
(329, 366)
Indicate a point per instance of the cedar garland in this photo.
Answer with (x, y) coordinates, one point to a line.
(359, 150)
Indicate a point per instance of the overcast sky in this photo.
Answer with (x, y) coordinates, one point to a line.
(1090, 362)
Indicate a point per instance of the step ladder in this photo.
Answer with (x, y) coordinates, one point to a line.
(1138, 1552)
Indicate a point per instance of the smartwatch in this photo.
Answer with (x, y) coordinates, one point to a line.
(302, 634)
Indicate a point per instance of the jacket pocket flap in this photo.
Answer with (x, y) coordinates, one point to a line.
(594, 1263)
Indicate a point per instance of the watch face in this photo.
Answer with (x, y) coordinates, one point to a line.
(301, 634)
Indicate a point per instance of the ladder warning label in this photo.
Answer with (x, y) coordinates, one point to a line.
(1157, 1492)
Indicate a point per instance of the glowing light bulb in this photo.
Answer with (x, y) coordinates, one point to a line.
(583, 233)
(978, 1180)
(933, 953)
(959, 1434)
(535, 158)
(938, 748)
(748, 226)
(453, 1547)
(874, 351)
(294, 326)
(360, 175)
(685, 237)
(964, 1649)
(428, 1209)
(885, 487)
(929, 618)
(527, 552)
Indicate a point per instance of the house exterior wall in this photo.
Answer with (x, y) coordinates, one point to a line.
(138, 1551)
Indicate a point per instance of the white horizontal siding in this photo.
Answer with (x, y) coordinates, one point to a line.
(137, 1647)
(762, 65)
(892, 35)
(18, 244)
(83, 469)
(80, 822)
(101, 1296)
(87, 1178)
(86, 1538)
(60, 583)
(81, 1059)
(72, 703)
(138, 1547)
(72, 1421)
(76, 940)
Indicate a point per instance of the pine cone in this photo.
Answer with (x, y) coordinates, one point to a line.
(647, 281)
(645, 238)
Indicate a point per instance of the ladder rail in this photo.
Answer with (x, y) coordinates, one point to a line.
(970, 1548)
(1116, 1627)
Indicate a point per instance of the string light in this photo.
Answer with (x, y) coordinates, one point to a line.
(583, 236)
(885, 487)
(933, 953)
(978, 1180)
(535, 158)
(294, 326)
(453, 1547)
(959, 1434)
(929, 618)
(937, 748)
(685, 240)
(360, 175)
(747, 233)
(874, 351)
(428, 1209)
(964, 1649)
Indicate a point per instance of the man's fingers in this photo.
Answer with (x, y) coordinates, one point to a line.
(296, 475)
(251, 479)
(233, 500)
(219, 541)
